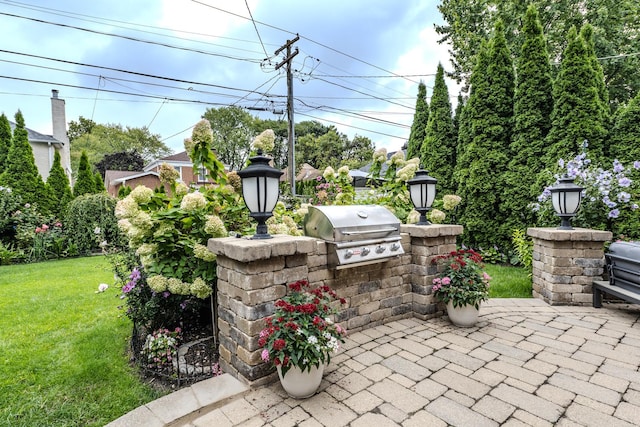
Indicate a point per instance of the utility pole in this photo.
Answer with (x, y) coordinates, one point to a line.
(292, 156)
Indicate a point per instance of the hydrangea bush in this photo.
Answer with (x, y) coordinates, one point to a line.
(610, 199)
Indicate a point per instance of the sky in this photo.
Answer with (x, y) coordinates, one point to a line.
(162, 63)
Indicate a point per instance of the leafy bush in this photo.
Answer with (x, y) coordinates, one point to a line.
(523, 247)
(91, 223)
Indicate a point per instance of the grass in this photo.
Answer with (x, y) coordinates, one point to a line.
(508, 281)
(63, 358)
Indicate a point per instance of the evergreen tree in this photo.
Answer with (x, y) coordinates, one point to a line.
(533, 104)
(97, 178)
(419, 125)
(85, 183)
(20, 171)
(5, 140)
(577, 111)
(457, 116)
(625, 137)
(439, 146)
(485, 156)
(58, 181)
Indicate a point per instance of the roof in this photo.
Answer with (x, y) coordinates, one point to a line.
(34, 136)
(113, 177)
(179, 159)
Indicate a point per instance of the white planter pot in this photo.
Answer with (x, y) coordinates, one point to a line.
(301, 385)
(464, 316)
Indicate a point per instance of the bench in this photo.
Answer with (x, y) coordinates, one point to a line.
(623, 266)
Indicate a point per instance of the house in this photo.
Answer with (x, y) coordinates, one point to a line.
(44, 146)
(150, 177)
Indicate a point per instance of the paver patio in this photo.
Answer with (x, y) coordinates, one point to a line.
(525, 363)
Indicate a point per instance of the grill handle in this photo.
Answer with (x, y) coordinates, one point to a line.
(379, 230)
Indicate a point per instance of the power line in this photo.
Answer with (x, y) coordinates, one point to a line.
(266, 55)
(42, 21)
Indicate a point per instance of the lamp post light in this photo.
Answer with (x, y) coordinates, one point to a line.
(260, 190)
(422, 190)
(566, 197)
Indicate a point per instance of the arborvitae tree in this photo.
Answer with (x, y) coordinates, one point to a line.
(532, 108)
(20, 172)
(457, 115)
(85, 183)
(586, 32)
(97, 178)
(439, 147)
(625, 137)
(577, 112)
(58, 181)
(5, 140)
(419, 126)
(485, 157)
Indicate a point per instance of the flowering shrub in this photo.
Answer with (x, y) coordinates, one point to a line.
(610, 196)
(333, 188)
(463, 280)
(160, 346)
(300, 332)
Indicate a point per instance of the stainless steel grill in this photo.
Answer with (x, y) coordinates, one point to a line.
(355, 235)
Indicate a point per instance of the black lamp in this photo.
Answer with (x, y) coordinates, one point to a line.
(422, 190)
(260, 190)
(566, 197)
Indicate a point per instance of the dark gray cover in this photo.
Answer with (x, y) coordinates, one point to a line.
(623, 264)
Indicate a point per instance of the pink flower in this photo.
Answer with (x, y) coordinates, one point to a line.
(45, 227)
(265, 355)
(38, 230)
(446, 281)
(58, 224)
(436, 281)
(486, 276)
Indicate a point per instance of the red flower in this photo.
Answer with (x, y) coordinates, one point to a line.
(279, 344)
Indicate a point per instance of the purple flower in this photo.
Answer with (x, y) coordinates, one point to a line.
(636, 164)
(624, 182)
(617, 166)
(135, 275)
(127, 288)
(265, 355)
(634, 206)
(183, 304)
(624, 197)
(561, 163)
(614, 213)
(166, 294)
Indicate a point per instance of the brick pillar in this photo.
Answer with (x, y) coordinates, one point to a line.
(427, 242)
(566, 262)
(252, 275)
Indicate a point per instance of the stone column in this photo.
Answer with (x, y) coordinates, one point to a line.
(566, 262)
(427, 242)
(252, 275)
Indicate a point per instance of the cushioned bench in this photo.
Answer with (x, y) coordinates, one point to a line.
(623, 266)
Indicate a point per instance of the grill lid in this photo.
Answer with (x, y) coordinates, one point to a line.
(351, 223)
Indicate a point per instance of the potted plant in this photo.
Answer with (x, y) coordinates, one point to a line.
(300, 337)
(462, 284)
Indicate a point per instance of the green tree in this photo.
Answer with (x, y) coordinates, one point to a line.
(532, 110)
(419, 125)
(85, 183)
(439, 147)
(113, 138)
(81, 127)
(626, 133)
(577, 114)
(120, 161)
(232, 134)
(616, 31)
(97, 178)
(457, 115)
(486, 155)
(321, 151)
(58, 182)
(357, 152)
(20, 171)
(5, 140)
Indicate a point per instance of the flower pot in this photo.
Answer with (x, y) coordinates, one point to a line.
(299, 384)
(464, 316)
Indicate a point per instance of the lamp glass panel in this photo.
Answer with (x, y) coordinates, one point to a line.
(272, 186)
(417, 193)
(250, 193)
(431, 194)
(566, 202)
(572, 201)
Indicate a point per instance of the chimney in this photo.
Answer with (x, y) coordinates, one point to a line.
(59, 121)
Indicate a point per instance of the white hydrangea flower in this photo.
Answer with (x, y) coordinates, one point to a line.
(343, 170)
(413, 217)
(193, 201)
(201, 252)
(200, 289)
(126, 208)
(141, 194)
(380, 155)
(157, 283)
(329, 173)
(437, 216)
(265, 141)
(147, 249)
(214, 226)
(181, 189)
(142, 220)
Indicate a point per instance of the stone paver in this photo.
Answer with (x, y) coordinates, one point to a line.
(526, 363)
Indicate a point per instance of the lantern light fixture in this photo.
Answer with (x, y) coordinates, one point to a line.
(566, 197)
(260, 190)
(422, 190)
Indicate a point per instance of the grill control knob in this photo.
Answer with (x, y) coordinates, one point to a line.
(395, 246)
(380, 249)
(348, 253)
(365, 251)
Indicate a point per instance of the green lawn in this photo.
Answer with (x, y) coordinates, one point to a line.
(508, 281)
(63, 358)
